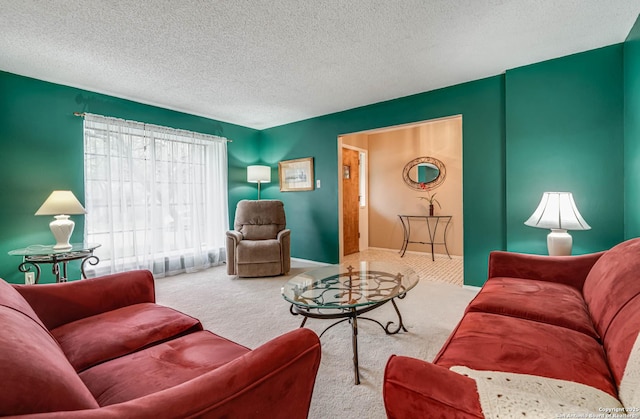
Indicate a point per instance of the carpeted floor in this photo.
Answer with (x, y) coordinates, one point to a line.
(252, 311)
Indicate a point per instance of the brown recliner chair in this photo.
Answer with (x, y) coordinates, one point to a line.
(259, 245)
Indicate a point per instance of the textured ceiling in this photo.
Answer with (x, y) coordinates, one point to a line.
(262, 63)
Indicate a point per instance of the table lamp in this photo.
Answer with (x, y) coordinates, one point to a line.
(258, 174)
(558, 211)
(61, 204)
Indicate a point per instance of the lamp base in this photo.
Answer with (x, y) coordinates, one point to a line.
(62, 227)
(559, 242)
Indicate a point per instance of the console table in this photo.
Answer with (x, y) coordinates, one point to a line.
(35, 255)
(433, 221)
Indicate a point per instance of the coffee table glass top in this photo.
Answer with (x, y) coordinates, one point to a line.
(349, 285)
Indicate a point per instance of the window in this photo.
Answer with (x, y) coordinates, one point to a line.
(156, 197)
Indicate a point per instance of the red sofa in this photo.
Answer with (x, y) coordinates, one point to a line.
(102, 348)
(571, 318)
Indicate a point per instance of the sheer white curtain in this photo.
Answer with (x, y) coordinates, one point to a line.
(156, 197)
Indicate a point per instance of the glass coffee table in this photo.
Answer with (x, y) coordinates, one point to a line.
(348, 291)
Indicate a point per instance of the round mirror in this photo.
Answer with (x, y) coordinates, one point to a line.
(424, 172)
(427, 171)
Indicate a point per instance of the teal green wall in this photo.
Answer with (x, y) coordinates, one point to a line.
(632, 132)
(564, 131)
(313, 215)
(42, 149)
(553, 125)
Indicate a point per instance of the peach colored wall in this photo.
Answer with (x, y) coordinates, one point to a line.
(356, 140)
(389, 196)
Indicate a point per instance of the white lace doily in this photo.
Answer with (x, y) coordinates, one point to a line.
(509, 395)
(629, 391)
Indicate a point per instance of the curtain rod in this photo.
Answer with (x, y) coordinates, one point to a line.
(82, 114)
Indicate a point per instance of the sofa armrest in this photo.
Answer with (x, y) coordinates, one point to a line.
(62, 303)
(569, 270)
(275, 380)
(415, 388)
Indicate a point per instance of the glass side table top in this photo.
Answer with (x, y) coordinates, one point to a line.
(350, 285)
(46, 250)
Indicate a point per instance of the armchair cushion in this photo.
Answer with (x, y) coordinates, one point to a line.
(159, 367)
(65, 302)
(109, 335)
(259, 232)
(259, 213)
(258, 251)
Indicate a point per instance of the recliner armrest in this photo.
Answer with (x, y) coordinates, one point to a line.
(283, 233)
(235, 235)
(233, 238)
(284, 237)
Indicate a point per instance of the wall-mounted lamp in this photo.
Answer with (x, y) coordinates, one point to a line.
(558, 211)
(61, 203)
(258, 174)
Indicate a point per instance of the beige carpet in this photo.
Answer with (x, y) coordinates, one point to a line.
(252, 311)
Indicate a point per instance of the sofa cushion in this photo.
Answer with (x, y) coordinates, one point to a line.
(11, 298)
(258, 251)
(486, 341)
(105, 336)
(612, 283)
(159, 367)
(543, 301)
(36, 376)
(65, 302)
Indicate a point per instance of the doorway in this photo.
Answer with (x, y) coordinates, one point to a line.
(355, 214)
(386, 195)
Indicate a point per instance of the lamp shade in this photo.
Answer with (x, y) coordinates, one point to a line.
(557, 210)
(258, 174)
(61, 202)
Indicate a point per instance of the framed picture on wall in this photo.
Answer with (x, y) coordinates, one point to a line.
(296, 175)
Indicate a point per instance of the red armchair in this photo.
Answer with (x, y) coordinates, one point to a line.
(103, 348)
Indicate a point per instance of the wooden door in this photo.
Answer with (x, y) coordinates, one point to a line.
(350, 201)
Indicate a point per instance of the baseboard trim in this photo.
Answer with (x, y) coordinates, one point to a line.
(313, 262)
